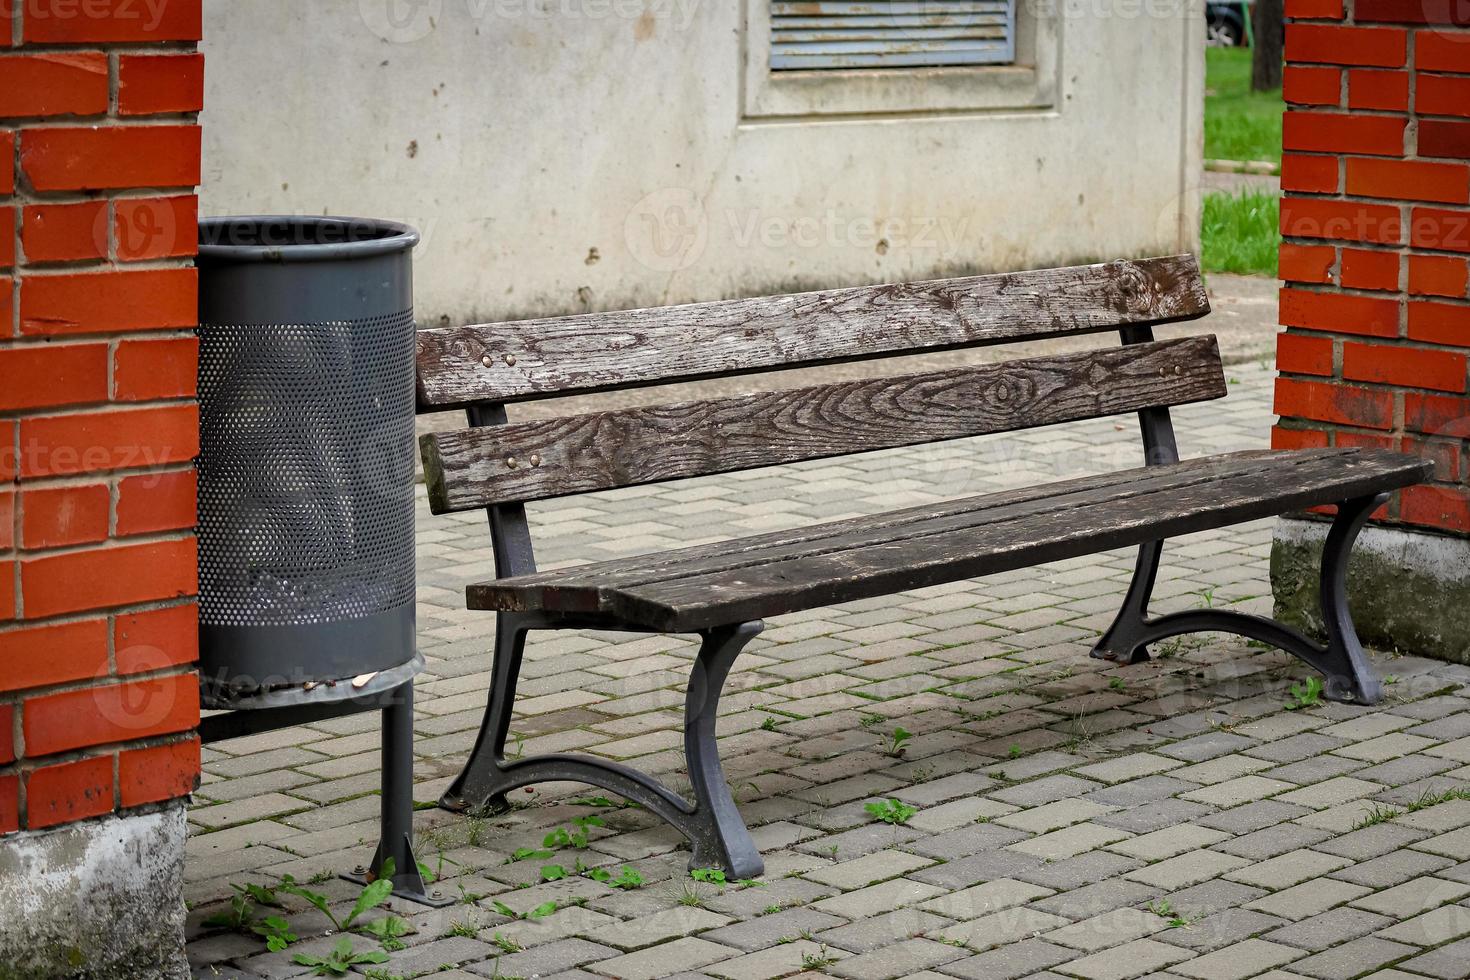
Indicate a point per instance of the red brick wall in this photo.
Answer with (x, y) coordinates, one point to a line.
(99, 158)
(1375, 224)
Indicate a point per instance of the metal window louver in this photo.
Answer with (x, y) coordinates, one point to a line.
(891, 33)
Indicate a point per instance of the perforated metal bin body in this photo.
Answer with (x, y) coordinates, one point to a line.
(306, 401)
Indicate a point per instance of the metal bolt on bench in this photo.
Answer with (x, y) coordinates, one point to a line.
(306, 545)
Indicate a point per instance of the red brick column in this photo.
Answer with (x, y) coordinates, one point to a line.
(1375, 220)
(99, 158)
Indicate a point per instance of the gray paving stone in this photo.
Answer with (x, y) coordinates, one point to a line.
(1329, 928)
(1352, 959)
(1236, 962)
(1011, 962)
(1127, 961)
(768, 930)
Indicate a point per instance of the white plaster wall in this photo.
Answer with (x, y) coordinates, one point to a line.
(583, 158)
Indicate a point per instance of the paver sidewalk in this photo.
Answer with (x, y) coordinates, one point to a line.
(1072, 819)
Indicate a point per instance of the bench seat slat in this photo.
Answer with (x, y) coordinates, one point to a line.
(848, 561)
(459, 366)
(472, 467)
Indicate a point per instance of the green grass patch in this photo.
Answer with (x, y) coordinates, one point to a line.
(1239, 124)
(1239, 233)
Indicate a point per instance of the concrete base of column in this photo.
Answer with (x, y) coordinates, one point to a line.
(1408, 590)
(101, 899)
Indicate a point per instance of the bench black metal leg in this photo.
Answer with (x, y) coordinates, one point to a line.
(1124, 640)
(1341, 661)
(712, 823)
(480, 786)
(721, 839)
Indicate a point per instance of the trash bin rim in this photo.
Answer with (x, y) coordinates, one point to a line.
(369, 237)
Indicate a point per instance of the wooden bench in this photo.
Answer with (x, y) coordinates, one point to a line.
(723, 591)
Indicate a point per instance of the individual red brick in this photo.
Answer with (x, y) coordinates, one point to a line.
(69, 792)
(60, 516)
(41, 376)
(1444, 455)
(102, 157)
(1443, 138)
(7, 237)
(1352, 439)
(7, 162)
(1318, 132)
(1410, 367)
(1442, 95)
(1366, 269)
(1443, 507)
(7, 305)
(93, 442)
(7, 741)
(1306, 263)
(1327, 402)
(1440, 228)
(7, 520)
(1414, 180)
(1314, 9)
(1447, 416)
(156, 227)
(1302, 85)
(112, 713)
(164, 772)
(156, 502)
(1309, 174)
(104, 577)
(143, 370)
(1412, 12)
(1370, 89)
(84, 21)
(1382, 47)
(1439, 323)
(54, 83)
(9, 804)
(156, 638)
(64, 232)
(1341, 313)
(1350, 221)
(96, 302)
(38, 656)
(1303, 354)
(7, 590)
(1436, 275)
(8, 464)
(1441, 51)
(149, 84)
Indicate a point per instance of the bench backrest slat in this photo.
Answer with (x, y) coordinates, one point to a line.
(538, 459)
(528, 359)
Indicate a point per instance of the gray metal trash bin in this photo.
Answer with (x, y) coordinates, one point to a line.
(306, 400)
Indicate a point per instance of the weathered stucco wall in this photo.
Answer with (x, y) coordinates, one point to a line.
(563, 155)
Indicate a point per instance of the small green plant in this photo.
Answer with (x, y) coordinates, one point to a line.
(627, 879)
(463, 930)
(1164, 909)
(1376, 813)
(373, 895)
(1116, 684)
(525, 853)
(1014, 752)
(819, 960)
(891, 811)
(388, 931)
(539, 912)
(710, 876)
(277, 932)
(576, 837)
(868, 720)
(506, 944)
(896, 747)
(383, 975)
(1307, 694)
(769, 725)
(771, 909)
(689, 895)
(243, 904)
(340, 961)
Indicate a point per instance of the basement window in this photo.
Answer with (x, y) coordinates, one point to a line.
(848, 34)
